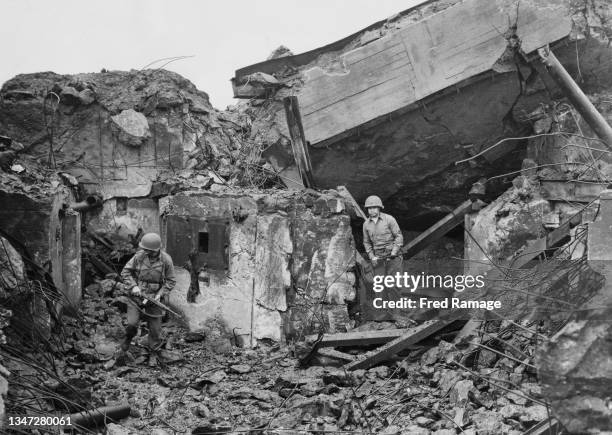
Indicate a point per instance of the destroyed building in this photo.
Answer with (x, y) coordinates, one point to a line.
(484, 126)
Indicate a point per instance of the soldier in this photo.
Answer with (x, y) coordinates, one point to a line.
(149, 271)
(382, 239)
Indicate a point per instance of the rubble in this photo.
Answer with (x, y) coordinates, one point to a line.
(275, 329)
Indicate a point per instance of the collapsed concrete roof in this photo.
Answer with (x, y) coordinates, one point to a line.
(390, 109)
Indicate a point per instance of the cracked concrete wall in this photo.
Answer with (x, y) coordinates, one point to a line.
(289, 253)
(50, 233)
(139, 213)
(117, 131)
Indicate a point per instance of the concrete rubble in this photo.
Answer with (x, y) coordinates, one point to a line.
(273, 327)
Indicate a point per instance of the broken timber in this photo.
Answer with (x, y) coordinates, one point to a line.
(411, 336)
(573, 92)
(298, 141)
(356, 338)
(332, 353)
(437, 230)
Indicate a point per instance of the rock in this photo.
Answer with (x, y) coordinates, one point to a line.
(381, 371)
(488, 423)
(459, 392)
(170, 356)
(115, 429)
(87, 96)
(445, 432)
(534, 414)
(423, 421)
(576, 370)
(132, 127)
(158, 431)
(413, 429)
(430, 357)
(312, 387)
(391, 430)
(70, 96)
(448, 380)
(511, 411)
(192, 337)
(486, 358)
(240, 368)
(517, 396)
(17, 168)
(202, 411)
(337, 377)
(213, 378)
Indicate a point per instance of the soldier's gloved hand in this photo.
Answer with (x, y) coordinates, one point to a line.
(136, 291)
(158, 296)
(374, 260)
(393, 253)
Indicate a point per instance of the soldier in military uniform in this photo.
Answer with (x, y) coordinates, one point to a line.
(150, 272)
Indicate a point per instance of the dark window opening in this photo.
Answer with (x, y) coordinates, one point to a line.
(121, 205)
(202, 241)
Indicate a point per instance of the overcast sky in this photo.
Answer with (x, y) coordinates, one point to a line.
(73, 36)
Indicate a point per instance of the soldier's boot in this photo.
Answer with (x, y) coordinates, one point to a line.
(130, 332)
(153, 359)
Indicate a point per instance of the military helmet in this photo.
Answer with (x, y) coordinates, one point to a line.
(373, 201)
(150, 241)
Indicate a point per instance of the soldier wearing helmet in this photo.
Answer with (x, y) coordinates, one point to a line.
(382, 238)
(151, 272)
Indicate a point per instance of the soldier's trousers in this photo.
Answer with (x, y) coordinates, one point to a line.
(154, 323)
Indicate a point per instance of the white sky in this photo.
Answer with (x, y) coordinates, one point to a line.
(74, 36)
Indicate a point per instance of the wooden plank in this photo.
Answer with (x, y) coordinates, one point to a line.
(357, 338)
(412, 336)
(437, 230)
(298, 140)
(335, 354)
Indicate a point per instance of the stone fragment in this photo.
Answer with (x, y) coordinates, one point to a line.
(240, 368)
(87, 96)
(414, 429)
(131, 127)
(517, 397)
(115, 429)
(511, 411)
(534, 414)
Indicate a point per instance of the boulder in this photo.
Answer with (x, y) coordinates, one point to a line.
(131, 127)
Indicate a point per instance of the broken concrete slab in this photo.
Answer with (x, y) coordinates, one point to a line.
(249, 249)
(335, 76)
(131, 127)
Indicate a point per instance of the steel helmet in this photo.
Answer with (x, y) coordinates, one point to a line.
(373, 201)
(150, 241)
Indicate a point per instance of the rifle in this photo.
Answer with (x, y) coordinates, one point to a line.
(159, 304)
(146, 298)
